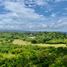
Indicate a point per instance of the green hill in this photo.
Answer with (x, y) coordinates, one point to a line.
(42, 49)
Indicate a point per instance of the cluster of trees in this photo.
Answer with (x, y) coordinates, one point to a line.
(39, 37)
(50, 38)
(32, 56)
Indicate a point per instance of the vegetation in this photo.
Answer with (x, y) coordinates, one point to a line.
(50, 38)
(32, 56)
(24, 50)
(40, 37)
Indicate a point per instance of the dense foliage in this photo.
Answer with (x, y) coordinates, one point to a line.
(32, 56)
(39, 37)
(50, 38)
(15, 55)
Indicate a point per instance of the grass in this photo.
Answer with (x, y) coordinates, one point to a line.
(21, 42)
(52, 45)
(7, 55)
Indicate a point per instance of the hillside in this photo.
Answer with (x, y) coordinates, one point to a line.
(43, 49)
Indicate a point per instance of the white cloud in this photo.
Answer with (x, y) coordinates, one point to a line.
(60, 23)
(21, 11)
(19, 17)
(41, 2)
(23, 18)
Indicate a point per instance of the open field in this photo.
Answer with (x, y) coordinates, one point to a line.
(20, 42)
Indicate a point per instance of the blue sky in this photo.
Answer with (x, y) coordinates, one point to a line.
(33, 15)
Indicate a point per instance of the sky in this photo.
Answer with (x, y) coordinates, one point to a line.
(33, 15)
